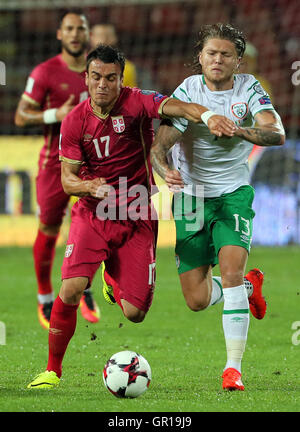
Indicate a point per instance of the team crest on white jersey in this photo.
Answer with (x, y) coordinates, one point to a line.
(69, 250)
(240, 109)
(118, 124)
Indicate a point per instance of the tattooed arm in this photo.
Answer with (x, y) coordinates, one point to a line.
(269, 130)
(165, 138)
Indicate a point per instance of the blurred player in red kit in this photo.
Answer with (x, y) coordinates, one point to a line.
(104, 148)
(52, 90)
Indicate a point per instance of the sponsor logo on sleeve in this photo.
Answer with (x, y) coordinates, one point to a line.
(157, 97)
(264, 100)
(148, 92)
(258, 88)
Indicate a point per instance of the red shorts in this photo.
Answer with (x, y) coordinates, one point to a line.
(127, 247)
(51, 198)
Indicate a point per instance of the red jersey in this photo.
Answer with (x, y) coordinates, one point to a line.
(115, 146)
(49, 85)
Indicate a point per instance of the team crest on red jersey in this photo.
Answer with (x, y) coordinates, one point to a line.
(69, 250)
(118, 124)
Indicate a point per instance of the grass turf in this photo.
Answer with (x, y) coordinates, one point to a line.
(185, 349)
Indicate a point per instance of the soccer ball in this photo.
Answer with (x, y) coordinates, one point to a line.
(127, 374)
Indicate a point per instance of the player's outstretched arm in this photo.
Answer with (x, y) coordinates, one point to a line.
(268, 132)
(165, 138)
(217, 124)
(29, 114)
(74, 185)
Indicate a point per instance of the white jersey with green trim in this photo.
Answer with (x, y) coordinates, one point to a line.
(220, 164)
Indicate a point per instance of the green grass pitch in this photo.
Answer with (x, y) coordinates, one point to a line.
(185, 349)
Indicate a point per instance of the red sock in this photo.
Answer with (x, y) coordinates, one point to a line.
(62, 327)
(43, 254)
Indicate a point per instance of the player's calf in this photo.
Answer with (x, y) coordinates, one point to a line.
(195, 287)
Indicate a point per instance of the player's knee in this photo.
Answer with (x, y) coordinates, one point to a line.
(232, 278)
(136, 317)
(50, 230)
(133, 314)
(196, 291)
(72, 289)
(196, 304)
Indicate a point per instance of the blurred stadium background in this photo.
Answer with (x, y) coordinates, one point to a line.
(158, 36)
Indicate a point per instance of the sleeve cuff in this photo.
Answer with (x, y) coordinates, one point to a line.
(70, 161)
(30, 100)
(160, 109)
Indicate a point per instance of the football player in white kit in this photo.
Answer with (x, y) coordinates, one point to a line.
(218, 167)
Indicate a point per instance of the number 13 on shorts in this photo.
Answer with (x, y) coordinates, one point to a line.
(240, 223)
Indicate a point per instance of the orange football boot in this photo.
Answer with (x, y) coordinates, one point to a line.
(232, 380)
(257, 302)
(89, 308)
(44, 312)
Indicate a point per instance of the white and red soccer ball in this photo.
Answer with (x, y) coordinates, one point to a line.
(127, 374)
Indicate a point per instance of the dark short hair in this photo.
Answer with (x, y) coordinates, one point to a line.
(107, 54)
(219, 31)
(75, 11)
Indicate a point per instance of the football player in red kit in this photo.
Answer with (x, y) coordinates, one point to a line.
(53, 89)
(104, 148)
